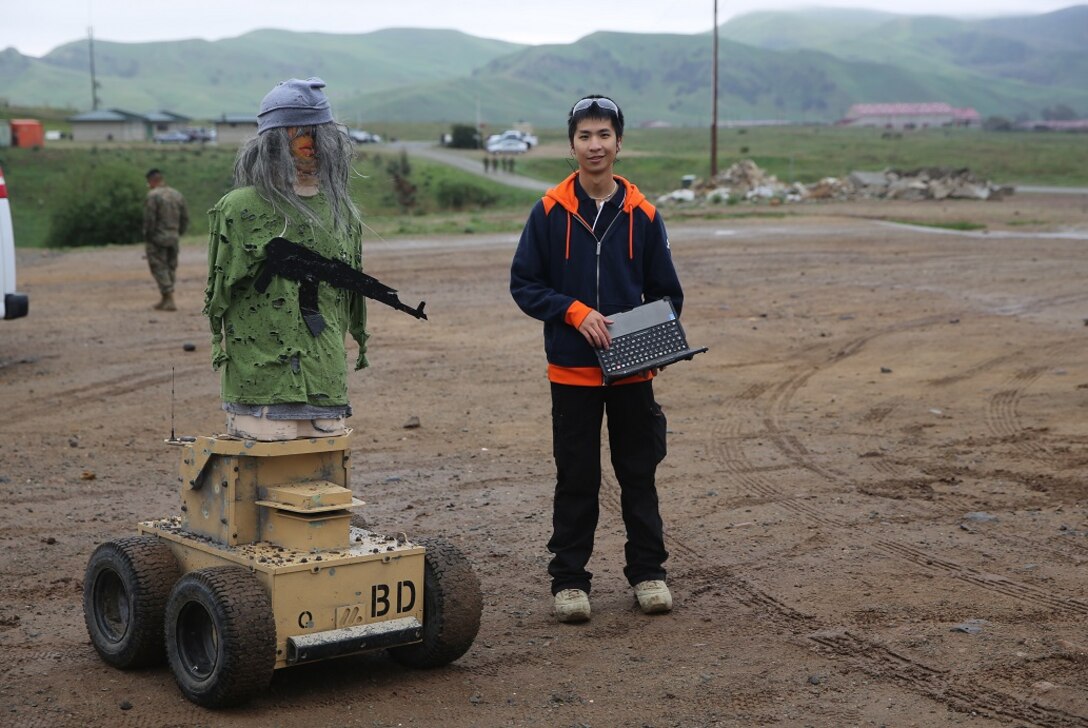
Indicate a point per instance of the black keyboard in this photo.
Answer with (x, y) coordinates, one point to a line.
(647, 337)
(636, 349)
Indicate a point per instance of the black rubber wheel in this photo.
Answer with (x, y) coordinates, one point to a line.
(125, 589)
(452, 605)
(220, 636)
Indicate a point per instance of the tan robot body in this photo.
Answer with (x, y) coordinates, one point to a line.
(264, 569)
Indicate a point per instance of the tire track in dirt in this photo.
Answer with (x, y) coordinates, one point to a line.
(1040, 304)
(973, 371)
(875, 457)
(97, 391)
(958, 692)
(1003, 415)
(992, 582)
(782, 393)
(734, 460)
(1035, 547)
(727, 442)
(36, 592)
(61, 495)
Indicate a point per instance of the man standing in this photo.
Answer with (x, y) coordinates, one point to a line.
(165, 220)
(592, 247)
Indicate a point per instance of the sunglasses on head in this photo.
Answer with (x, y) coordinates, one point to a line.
(602, 103)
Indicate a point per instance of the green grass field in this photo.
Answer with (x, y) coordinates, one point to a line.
(656, 159)
(447, 200)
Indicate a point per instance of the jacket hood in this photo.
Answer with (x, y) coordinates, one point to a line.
(563, 194)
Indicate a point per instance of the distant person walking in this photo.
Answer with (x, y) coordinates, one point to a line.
(166, 219)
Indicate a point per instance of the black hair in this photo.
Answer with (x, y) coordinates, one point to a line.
(595, 111)
(153, 172)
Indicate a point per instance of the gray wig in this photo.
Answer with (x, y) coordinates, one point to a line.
(265, 162)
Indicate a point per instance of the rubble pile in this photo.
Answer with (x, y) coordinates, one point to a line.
(746, 181)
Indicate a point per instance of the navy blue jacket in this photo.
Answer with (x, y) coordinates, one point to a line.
(562, 270)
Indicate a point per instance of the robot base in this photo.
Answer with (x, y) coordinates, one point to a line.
(264, 569)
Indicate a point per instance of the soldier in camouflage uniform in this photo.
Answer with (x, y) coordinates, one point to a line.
(165, 219)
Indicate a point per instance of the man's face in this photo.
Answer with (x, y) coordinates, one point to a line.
(595, 145)
(302, 141)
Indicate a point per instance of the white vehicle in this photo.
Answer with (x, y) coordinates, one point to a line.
(529, 139)
(507, 145)
(364, 137)
(14, 304)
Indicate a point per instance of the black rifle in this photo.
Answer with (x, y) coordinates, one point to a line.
(298, 263)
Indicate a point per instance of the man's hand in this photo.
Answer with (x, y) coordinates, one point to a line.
(595, 328)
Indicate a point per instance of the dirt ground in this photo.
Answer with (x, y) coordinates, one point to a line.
(875, 497)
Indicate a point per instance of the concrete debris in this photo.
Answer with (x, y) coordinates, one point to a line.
(745, 181)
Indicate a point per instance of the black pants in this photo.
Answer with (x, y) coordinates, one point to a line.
(636, 438)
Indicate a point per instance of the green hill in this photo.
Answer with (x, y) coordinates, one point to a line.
(1048, 51)
(206, 79)
(806, 65)
(670, 75)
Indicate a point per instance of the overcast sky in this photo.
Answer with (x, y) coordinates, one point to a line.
(35, 27)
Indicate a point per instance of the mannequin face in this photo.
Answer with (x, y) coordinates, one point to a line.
(302, 141)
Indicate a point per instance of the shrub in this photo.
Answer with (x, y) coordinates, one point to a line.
(98, 204)
(463, 136)
(400, 172)
(997, 123)
(458, 194)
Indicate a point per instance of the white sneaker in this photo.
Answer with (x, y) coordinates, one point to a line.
(572, 605)
(653, 597)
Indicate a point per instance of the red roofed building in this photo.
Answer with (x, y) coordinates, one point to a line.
(910, 116)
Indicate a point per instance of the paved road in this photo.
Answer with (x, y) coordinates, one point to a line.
(470, 164)
(1032, 189)
(430, 151)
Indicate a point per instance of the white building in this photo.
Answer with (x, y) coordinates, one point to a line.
(910, 116)
(109, 125)
(235, 128)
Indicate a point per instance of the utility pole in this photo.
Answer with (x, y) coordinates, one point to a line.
(714, 115)
(94, 81)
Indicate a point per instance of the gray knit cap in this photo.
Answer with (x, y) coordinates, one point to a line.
(294, 103)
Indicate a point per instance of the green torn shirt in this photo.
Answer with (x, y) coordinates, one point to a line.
(259, 340)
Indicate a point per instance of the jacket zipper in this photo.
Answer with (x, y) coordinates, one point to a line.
(600, 240)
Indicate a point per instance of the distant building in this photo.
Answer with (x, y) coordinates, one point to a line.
(109, 125)
(235, 128)
(161, 122)
(910, 116)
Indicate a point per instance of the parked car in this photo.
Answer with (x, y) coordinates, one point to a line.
(200, 134)
(507, 145)
(12, 303)
(171, 137)
(363, 137)
(529, 139)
